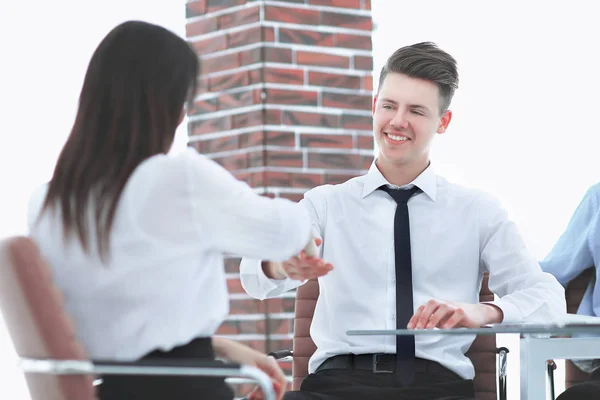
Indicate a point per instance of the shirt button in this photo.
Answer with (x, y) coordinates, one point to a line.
(393, 317)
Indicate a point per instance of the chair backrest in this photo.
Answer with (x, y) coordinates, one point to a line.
(574, 293)
(36, 321)
(482, 353)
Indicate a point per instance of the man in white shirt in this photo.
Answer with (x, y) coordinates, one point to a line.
(431, 248)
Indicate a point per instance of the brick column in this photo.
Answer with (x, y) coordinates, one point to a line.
(284, 104)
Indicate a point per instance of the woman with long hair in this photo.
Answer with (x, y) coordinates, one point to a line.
(135, 236)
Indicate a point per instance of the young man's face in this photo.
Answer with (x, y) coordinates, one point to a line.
(406, 117)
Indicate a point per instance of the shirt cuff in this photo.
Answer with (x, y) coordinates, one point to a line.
(265, 283)
(510, 312)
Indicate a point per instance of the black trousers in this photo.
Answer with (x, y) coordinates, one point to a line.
(589, 390)
(433, 382)
(137, 387)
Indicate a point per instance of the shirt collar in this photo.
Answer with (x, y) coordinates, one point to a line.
(426, 181)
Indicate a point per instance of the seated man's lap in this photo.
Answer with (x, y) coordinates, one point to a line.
(334, 384)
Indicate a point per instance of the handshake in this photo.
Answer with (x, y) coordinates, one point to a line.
(306, 265)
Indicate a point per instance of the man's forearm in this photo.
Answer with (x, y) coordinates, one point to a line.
(493, 314)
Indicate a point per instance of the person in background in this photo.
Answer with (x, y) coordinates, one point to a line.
(404, 248)
(576, 250)
(136, 237)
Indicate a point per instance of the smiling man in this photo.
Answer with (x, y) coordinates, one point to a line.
(403, 247)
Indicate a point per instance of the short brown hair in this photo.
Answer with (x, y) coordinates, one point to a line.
(425, 61)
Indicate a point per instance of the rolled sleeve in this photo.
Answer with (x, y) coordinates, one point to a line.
(258, 285)
(255, 282)
(527, 294)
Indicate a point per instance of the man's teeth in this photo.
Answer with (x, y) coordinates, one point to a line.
(398, 138)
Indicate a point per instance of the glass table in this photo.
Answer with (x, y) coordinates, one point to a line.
(539, 343)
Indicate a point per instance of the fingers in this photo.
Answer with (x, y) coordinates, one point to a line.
(428, 309)
(291, 268)
(313, 271)
(436, 314)
(280, 385)
(456, 319)
(256, 394)
(277, 373)
(279, 390)
(274, 371)
(412, 322)
(309, 249)
(309, 268)
(441, 315)
(270, 366)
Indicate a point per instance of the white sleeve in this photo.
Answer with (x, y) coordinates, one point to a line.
(527, 294)
(253, 279)
(239, 220)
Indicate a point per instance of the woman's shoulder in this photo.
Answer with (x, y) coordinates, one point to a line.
(35, 203)
(166, 177)
(173, 163)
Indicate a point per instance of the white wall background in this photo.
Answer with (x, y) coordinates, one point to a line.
(524, 124)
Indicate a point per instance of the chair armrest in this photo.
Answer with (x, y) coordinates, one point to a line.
(502, 366)
(278, 355)
(163, 367)
(551, 366)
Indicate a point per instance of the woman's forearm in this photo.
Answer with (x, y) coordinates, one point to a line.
(220, 346)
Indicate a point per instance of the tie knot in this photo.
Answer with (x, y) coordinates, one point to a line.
(401, 196)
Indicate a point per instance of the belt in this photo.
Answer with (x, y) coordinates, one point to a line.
(379, 363)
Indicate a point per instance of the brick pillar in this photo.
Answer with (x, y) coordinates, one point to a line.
(284, 104)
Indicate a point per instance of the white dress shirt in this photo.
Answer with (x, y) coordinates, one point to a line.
(457, 234)
(165, 283)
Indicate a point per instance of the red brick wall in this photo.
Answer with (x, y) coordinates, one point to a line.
(284, 104)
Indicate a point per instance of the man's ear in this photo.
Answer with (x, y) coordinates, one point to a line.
(374, 104)
(444, 121)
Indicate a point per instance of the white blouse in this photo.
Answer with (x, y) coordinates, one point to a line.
(164, 284)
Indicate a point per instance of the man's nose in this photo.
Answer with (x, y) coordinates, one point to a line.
(399, 121)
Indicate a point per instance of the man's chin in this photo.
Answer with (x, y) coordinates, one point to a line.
(395, 154)
(393, 159)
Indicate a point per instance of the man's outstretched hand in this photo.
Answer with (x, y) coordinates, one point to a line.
(299, 267)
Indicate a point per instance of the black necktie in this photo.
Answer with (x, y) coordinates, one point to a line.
(405, 345)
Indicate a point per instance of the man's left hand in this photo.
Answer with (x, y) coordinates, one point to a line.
(451, 314)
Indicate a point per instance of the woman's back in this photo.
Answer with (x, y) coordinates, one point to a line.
(163, 283)
(135, 237)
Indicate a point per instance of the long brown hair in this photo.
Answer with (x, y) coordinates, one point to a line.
(133, 95)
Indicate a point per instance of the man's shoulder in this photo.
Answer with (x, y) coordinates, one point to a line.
(464, 192)
(590, 203)
(594, 190)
